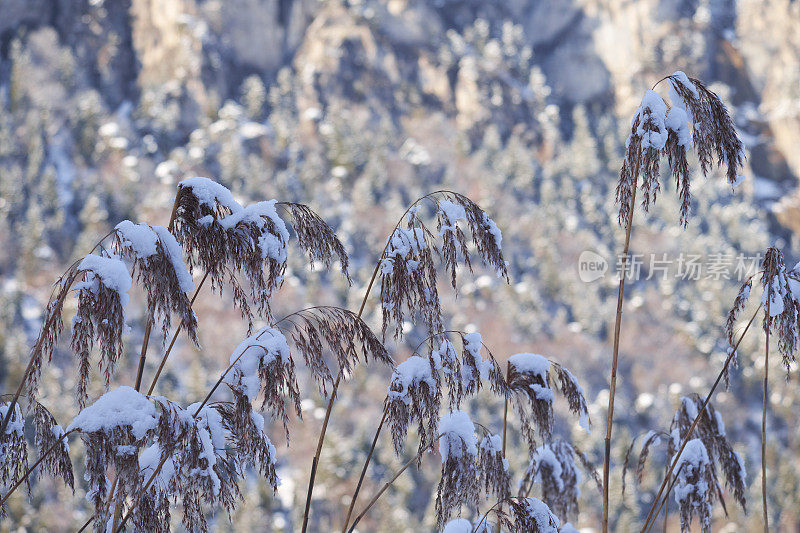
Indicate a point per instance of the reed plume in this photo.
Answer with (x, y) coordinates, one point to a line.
(698, 119)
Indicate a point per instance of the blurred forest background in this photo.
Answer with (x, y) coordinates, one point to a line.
(357, 108)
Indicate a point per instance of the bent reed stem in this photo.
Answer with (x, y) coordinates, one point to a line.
(615, 357)
(505, 425)
(666, 500)
(390, 482)
(651, 513)
(332, 399)
(364, 471)
(174, 338)
(764, 417)
(351, 507)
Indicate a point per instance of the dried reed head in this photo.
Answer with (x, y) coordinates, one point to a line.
(710, 430)
(319, 330)
(475, 369)
(730, 323)
(263, 362)
(226, 239)
(158, 267)
(780, 300)
(573, 393)
(493, 467)
(418, 384)
(655, 130)
(529, 385)
(252, 447)
(695, 486)
(531, 515)
(553, 465)
(192, 448)
(781, 306)
(52, 326)
(532, 396)
(316, 237)
(152, 509)
(408, 277)
(459, 483)
(13, 448)
(407, 267)
(465, 375)
(714, 131)
(414, 395)
(716, 448)
(486, 236)
(114, 428)
(100, 315)
(49, 434)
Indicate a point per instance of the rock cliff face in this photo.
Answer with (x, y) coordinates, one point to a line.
(589, 52)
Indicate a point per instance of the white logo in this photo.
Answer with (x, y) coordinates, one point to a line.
(591, 266)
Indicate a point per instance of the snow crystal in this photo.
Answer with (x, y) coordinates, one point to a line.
(444, 357)
(209, 193)
(16, 423)
(684, 80)
(137, 237)
(149, 460)
(530, 363)
(455, 428)
(492, 228)
(412, 371)
(112, 273)
(261, 348)
(120, 407)
(693, 458)
(402, 243)
(175, 254)
(472, 345)
(678, 121)
(544, 456)
(542, 515)
(568, 528)
(451, 213)
(459, 525)
(652, 102)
